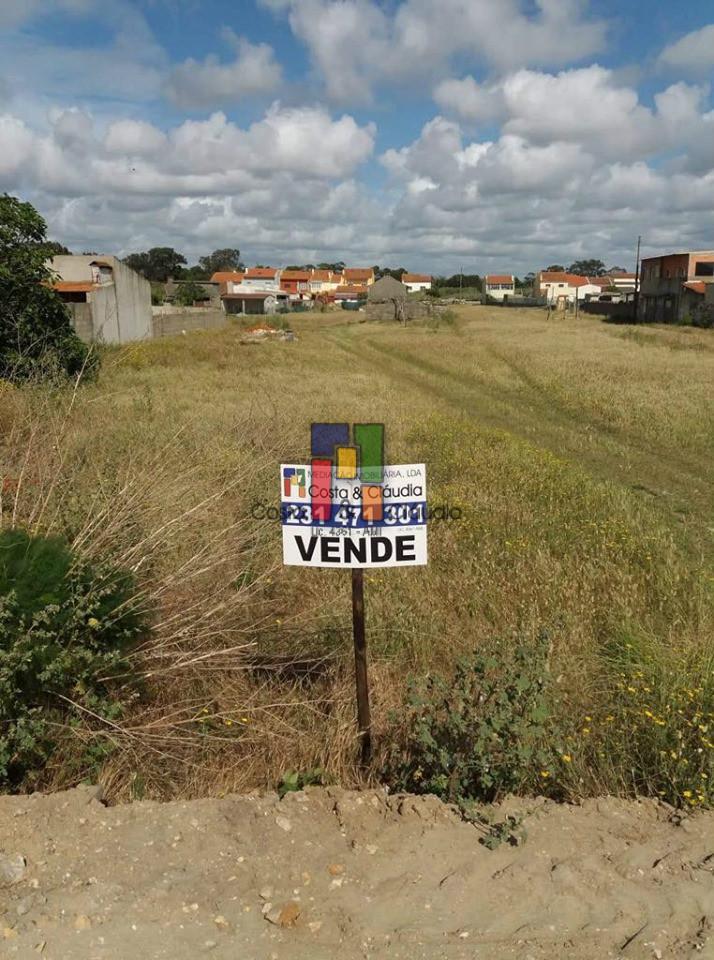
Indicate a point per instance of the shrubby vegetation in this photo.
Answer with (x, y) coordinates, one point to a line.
(36, 337)
(487, 731)
(65, 628)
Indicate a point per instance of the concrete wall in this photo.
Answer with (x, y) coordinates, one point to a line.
(176, 321)
(105, 314)
(400, 311)
(133, 302)
(81, 320)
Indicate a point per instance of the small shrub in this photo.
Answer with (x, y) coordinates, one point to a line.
(485, 732)
(65, 628)
(295, 780)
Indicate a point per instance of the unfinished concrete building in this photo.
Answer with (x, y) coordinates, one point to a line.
(108, 301)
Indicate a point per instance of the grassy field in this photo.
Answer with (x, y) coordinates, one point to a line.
(580, 454)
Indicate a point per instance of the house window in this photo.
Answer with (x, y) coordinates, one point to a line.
(704, 270)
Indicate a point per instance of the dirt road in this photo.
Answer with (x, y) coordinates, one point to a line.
(333, 874)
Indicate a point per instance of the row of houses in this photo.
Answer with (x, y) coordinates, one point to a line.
(556, 286)
(267, 289)
(108, 301)
(670, 288)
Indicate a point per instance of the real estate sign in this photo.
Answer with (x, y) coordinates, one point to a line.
(329, 521)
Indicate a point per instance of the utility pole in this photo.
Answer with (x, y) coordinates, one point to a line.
(637, 281)
(461, 283)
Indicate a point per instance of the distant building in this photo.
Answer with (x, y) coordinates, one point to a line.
(325, 281)
(499, 285)
(253, 302)
(359, 276)
(351, 294)
(623, 281)
(416, 282)
(224, 276)
(556, 286)
(262, 278)
(296, 283)
(108, 301)
(674, 285)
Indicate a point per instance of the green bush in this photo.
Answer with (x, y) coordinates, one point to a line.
(485, 732)
(65, 628)
(36, 336)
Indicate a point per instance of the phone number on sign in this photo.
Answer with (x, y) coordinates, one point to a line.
(350, 515)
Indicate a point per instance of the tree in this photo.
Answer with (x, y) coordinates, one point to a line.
(616, 270)
(55, 249)
(461, 280)
(188, 293)
(588, 268)
(226, 259)
(555, 268)
(36, 336)
(157, 264)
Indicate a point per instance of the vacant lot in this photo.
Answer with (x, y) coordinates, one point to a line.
(580, 454)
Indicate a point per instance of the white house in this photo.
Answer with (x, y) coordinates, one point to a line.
(416, 282)
(556, 286)
(623, 281)
(325, 281)
(262, 278)
(499, 285)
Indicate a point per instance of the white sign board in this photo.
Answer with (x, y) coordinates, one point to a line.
(352, 534)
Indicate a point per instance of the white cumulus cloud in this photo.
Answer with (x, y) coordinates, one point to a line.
(209, 83)
(693, 53)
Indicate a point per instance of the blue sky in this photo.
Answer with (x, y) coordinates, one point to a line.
(484, 134)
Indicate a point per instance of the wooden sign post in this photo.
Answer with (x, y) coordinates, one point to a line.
(364, 719)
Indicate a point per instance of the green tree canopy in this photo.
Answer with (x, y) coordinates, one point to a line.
(157, 264)
(588, 268)
(36, 335)
(188, 293)
(555, 268)
(226, 259)
(55, 249)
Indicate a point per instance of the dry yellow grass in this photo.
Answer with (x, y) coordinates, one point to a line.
(579, 453)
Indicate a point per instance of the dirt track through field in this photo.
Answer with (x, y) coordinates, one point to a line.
(335, 874)
(535, 414)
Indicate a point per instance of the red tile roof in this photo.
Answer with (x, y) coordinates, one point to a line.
(498, 278)
(415, 278)
(70, 286)
(350, 291)
(571, 279)
(358, 273)
(696, 286)
(295, 275)
(224, 276)
(261, 273)
(320, 275)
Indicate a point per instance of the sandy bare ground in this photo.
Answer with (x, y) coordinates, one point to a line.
(334, 874)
